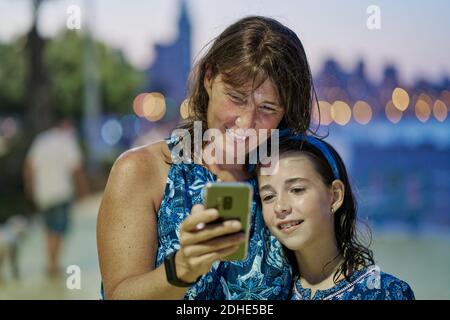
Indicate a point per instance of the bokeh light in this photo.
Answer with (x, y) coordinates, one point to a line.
(422, 110)
(392, 113)
(184, 109)
(362, 112)
(130, 126)
(445, 97)
(341, 112)
(111, 132)
(154, 106)
(138, 104)
(324, 118)
(426, 98)
(8, 127)
(400, 99)
(440, 110)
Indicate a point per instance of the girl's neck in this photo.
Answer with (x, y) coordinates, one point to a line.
(318, 264)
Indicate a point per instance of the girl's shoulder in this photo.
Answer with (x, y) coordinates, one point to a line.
(374, 284)
(395, 288)
(370, 283)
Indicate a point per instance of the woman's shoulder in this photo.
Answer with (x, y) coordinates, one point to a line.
(144, 160)
(142, 170)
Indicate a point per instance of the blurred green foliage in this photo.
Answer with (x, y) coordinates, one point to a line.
(64, 58)
(12, 77)
(119, 82)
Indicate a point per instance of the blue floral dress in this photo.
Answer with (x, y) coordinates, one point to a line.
(366, 284)
(264, 274)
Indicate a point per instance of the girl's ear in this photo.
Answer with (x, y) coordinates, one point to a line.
(338, 191)
(207, 80)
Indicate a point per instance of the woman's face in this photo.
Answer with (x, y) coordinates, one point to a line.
(239, 114)
(297, 204)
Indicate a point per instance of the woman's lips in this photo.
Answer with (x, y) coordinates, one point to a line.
(236, 135)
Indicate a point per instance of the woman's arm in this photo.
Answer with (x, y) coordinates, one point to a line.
(126, 229)
(127, 235)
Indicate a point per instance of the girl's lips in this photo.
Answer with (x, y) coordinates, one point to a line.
(290, 228)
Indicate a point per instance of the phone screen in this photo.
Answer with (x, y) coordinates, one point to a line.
(233, 201)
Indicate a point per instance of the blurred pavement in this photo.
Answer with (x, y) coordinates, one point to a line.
(421, 260)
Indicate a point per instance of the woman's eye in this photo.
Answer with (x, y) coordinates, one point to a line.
(236, 99)
(268, 109)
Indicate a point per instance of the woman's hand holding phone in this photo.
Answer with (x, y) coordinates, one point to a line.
(201, 244)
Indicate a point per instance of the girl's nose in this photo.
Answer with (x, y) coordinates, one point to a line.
(282, 209)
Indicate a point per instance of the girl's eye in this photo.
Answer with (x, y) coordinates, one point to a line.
(297, 190)
(267, 198)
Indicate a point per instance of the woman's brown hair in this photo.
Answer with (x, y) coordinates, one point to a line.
(255, 49)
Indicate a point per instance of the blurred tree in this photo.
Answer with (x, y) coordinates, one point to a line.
(119, 81)
(37, 102)
(39, 76)
(12, 76)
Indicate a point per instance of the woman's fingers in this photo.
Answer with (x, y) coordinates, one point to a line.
(208, 259)
(214, 245)
(200, 247)
(198, 216)
(227, 227)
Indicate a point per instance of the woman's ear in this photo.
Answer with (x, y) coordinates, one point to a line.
(338, 191)
(207, 80)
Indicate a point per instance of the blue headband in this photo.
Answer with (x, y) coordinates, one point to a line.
(318, 144)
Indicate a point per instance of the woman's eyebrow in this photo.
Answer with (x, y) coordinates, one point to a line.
(275, 104)
(237, 90)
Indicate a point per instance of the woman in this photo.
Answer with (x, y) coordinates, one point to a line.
(151, 234)
(309, 207)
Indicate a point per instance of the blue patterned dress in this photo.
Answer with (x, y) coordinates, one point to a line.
(264, 274)
(366, 284)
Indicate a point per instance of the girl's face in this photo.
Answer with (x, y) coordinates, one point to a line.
(238, 113)
(297, 205)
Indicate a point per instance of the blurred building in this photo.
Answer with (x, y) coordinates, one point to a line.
(170, 70)
(394, 138)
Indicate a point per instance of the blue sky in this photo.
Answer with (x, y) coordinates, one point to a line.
(413, 33)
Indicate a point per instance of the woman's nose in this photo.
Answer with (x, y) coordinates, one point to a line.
(246, 119)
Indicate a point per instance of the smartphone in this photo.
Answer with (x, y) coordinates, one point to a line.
(233, 200)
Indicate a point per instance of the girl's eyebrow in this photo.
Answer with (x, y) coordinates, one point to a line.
(296, 179)
(288, 181)
(265, 187)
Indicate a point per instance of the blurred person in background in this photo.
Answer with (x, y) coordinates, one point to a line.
(54, 176)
